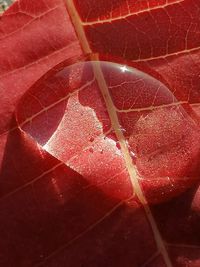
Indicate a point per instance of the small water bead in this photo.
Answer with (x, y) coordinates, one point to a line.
(132, 154)
(91, 150)
(118, 145)
(91, 139)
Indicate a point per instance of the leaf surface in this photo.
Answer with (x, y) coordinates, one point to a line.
(99, 142)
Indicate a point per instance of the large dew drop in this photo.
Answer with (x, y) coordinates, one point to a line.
(76, 112)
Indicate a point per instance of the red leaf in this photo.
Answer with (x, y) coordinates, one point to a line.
(163, 35)
(35, 36)
(131, 138)
(32, 42)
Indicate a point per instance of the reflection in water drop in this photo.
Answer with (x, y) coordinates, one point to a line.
(124, 68)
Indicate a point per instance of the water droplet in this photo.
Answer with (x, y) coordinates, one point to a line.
(150, 118)
(91, 139)
(122, 130)
(132, 154)
(91, 150)
(118, 145)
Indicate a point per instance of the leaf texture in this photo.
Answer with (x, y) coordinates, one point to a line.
(98, 144)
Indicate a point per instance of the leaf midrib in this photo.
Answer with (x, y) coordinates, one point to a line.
(78, 25)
